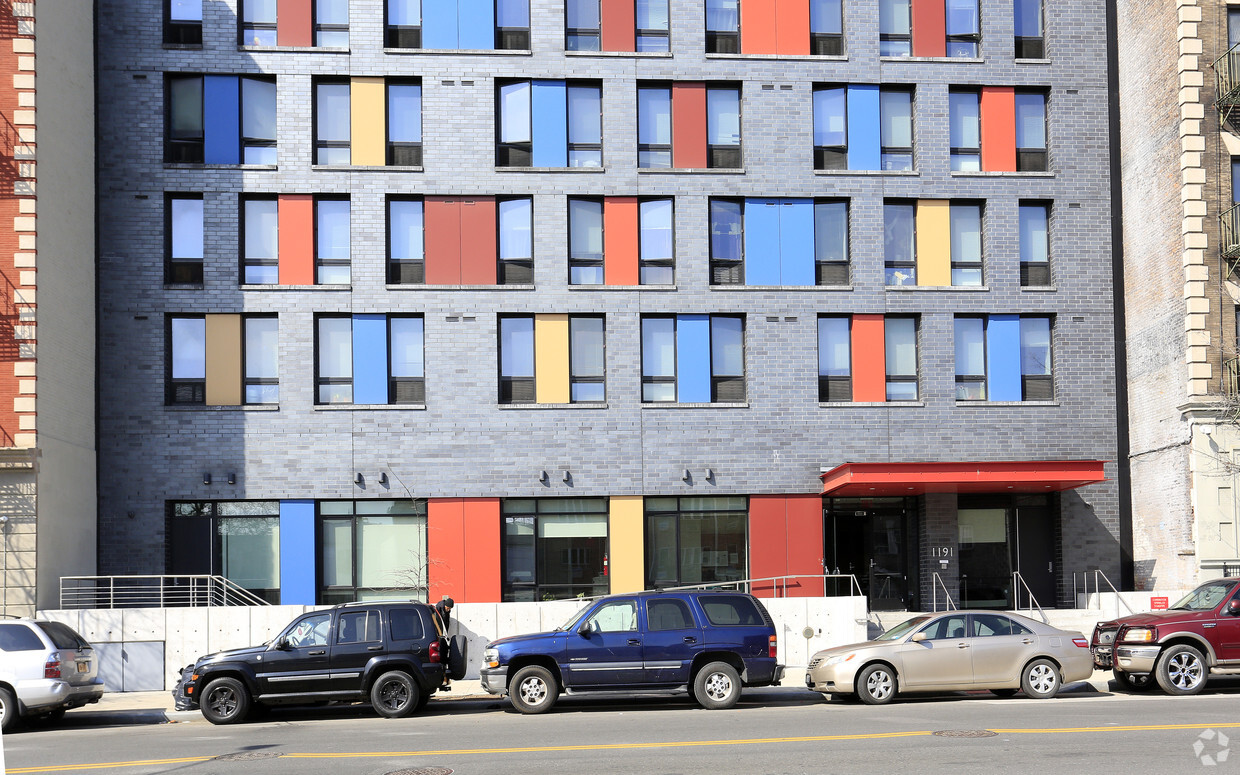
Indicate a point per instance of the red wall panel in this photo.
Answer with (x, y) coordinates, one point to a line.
(620, 234)
(296, 241)
(758, 34)
(482, 550)
(479, 252)
(792, 27)
(619, 31)
(442, 240)
(294, 23)
(768, 541)
(805, 545)
(689, 125)
(869, 362)
(445, 541)
(998, 118)
(929, 28)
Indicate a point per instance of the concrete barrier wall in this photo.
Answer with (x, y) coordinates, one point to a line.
(130, 640)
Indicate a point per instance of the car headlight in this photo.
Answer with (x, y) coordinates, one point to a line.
(490, 657)
(837, 659)
(1140, 635)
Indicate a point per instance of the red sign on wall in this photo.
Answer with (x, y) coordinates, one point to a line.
(1158, 603)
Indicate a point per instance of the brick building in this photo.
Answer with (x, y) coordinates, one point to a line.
(522, 300)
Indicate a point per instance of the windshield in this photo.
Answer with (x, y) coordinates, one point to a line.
(902, 629)
(1205, 597)
(571, 623)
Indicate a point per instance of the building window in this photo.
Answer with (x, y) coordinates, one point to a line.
(331, 23)
(826, 27)
(867, 358)
(896, 129)
(830, 128)
(964, 121)
(512, 25)
(1031, 131)
(533, 116)
(659, 147)
(516, 241)
(331, 123)
(1037, 383)
(957, 18)
(1030, 36)
(963, 28)
(1233, 27)
(586, 28)
(723, 27)
(404, 24)
(652, 20)
(620, 241)
(183, 24)
(696, 541)
(184, 242)
(554, 548)
(900, 338)
(455, 240)
(331, 241)
(779, 242)
(261, 241)
(370, 359)
(585, 242)
(654, 127)
(449, 24)
(966, 243)
(404, 124)
(834, 359)
(727, 242)
(831, 242)
(693, 358)
(204, 114)
(895, 29)
(723, 127)
(582, 30)
(899, 243)
(1035, 256)
(551, 359)
(389, 118)
(970, 359)
(1004, 358)
(335, 360)
(406, 360)
(372, 549)
(223, 360)
(863, 127)
(239, 540)
(406, 259)
(258, 23)
(656, 242)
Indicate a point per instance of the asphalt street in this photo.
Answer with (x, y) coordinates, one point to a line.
(775, 730)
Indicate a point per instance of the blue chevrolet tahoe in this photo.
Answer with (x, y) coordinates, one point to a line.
(709, 643)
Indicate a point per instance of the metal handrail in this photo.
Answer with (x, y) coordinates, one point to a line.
(1033, 601)
(1098, 574)
(1228, 76)
(153, 592)
(783, 580)
(936, 582)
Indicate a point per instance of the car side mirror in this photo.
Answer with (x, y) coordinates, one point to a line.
(918, 637)
(1233, 607)
(282, 643)
(586, 629)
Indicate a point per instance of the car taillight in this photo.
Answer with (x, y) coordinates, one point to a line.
(773, 643)
(52, 668)
(434, 651)
(1081, 643)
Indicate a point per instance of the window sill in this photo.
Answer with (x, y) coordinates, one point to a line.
(183, 47)
(677, 405)
(184, 286)
(871, 404)
(1039, 288)
(894, 173)
(982, 174)
(965, 288)
(351, 407)
(622, 287)
(551, 169)
(180, 165)
(959, 60)
(740, 287)
(582, 405)
(1033, 61)
(303, 49)
(1006, 403)
(691, 170)
(432, 287)
(261, 287)
(495, 52)
(634, 54)
(229, 408)
(364, 168)
(810, 57)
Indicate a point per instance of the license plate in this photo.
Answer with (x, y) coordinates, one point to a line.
(83, 667)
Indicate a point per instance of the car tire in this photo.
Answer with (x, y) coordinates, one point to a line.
(1134, 682)
(876, 685)
(1181, 670)
(9, 713)
(1040, 680)
(225, 701)
(458, 657)
(533, 690)
(1004, 692)
(717, 686)
(394, 695)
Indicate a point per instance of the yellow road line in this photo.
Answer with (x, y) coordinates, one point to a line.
(108, 765)
(1151, 728)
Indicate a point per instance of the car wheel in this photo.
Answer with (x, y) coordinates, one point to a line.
(9, 714)
(533, 690)
(717, 686)
(394, 695)
(1040, 679)
(1133, 682)
(1004, 692)
(876, 685)
(225, 701)
(1181, 670)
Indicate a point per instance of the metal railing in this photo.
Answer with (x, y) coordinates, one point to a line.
(1018, 581)
(1229, 235)
(779, 584)
(1231, 376)
(1227, 75)
(1098, 576)
(153, 592)
(937, 582)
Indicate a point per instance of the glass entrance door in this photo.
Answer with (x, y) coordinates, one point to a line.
(1000, 536)
(869, 538)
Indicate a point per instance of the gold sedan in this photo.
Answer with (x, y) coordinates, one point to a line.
(955, 651)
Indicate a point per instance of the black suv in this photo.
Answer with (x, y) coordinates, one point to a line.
(394, 654)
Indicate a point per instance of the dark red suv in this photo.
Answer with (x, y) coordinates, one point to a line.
(1179, 647)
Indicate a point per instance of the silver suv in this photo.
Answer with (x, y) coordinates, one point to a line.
(45, 669)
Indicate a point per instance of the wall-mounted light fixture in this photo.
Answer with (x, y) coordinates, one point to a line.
(567, 476)
(383, 480)
(543, 477)
(685, 475)
(232, 477)
(357, 478)
(206, 478)
(710, 474)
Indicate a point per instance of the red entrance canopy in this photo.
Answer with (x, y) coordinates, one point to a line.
(875, 479)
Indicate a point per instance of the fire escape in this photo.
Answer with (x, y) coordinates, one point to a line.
(1227, 102)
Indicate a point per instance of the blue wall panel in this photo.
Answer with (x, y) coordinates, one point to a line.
(863, 128)
(549, 115)
(761, 242)
(796, 242)
(297, 553)
(221, 116)
(1003, 358)
(370, 359)
(477, 23)
(693, 359)
(439, 24)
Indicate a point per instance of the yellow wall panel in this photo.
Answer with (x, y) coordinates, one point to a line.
(223, 360)
(934, 249)
(368, 121)
(551, 359)
(626, 533)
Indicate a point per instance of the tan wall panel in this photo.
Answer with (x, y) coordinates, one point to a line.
(223, 360)
(368, 119)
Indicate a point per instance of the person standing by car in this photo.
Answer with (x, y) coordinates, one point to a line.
(444, 609)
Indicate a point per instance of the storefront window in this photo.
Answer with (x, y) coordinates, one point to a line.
(239, 540)
(554, 548)
(696, 540)
(372, 549)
